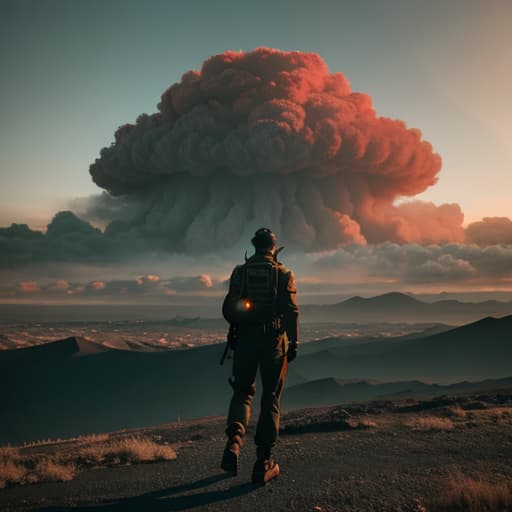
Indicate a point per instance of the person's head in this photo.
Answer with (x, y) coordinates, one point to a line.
(264, 240)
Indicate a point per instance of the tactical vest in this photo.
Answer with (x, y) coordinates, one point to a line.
(258, 292)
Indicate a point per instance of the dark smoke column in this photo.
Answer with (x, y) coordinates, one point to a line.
(272, 138)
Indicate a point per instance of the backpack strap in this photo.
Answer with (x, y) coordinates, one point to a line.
(243, 280)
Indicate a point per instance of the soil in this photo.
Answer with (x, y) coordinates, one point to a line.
(369, 457)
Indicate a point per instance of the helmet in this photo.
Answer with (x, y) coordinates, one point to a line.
(264, 238)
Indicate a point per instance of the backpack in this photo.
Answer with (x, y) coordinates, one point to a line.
(257, 298)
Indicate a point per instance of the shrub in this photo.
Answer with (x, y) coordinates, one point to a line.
(128, 449)
(53, 471)
(64, 462)
(455, 411)
(363, 423)
(11, 472)
(430, 423)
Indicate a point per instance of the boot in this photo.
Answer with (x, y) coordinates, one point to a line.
(231, 456)
(264, 470)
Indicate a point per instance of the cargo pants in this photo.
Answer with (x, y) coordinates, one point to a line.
(265, 349)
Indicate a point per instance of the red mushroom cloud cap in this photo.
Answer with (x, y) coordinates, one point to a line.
(270, 137)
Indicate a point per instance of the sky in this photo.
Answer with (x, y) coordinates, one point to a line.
(73, 72)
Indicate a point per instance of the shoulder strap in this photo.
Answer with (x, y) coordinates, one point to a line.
(243, 279)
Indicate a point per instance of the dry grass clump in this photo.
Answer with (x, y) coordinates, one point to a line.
(11, 472)
(61, 464)
(89, 438)
(23, 470)
(481, 494)
(428, 423)
(10, 469)
(501, 415)
(9, 451)
(47, 470)
(361, 423)
(455, 411)
(127, 450)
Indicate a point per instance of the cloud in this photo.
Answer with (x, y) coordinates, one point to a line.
(274, 138)
(28, 287)
(443, 268)
(142, 285)
(345, 271)
(67, 238)
(149, 285)
(99, 207)
(425, 223)
(252, 139)
(414, 264)
(60, 285)
(490, 231)
(191, 284)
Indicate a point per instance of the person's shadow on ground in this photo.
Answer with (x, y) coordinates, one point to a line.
(165, 499)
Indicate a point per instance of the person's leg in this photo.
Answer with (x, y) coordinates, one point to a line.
(245, 366)
(273, 369)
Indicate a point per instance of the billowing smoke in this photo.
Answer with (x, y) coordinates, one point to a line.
(269, 138)
(490, 231)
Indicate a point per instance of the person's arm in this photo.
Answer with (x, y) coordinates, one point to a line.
(233, 295)
(289, 308)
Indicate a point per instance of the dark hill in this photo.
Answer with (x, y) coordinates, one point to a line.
(61, 349)
(72, 386)
(476, 351)
(68, 387)
(338, 391)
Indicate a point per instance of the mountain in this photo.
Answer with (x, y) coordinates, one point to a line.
(399, 307)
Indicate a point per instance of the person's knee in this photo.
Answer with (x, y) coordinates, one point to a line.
(236, 430)
(269, 400)
(244, 390)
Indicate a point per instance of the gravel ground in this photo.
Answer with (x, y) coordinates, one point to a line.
(391, 467)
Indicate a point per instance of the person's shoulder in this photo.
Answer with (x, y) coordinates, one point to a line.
(237, 272)
(283, 268)
(288, 275)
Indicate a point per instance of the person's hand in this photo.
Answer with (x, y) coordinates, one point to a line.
(292, 351)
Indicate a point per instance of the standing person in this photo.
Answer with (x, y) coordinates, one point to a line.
(263, 314)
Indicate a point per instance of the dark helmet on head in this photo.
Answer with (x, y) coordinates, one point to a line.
(264, 238)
